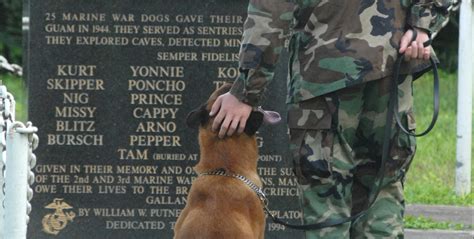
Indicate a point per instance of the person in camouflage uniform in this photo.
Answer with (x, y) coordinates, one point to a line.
(341, 61)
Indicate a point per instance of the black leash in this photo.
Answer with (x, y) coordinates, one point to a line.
(391, 113)
(434, 118)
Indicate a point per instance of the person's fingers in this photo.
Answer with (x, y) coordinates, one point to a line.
(414, 49)
(216, 106)
(224, 127)
(405, 41)
(408, 53)
(218, 120)
(233, 127)
(243, 122)
(421, 50)
(414, 52)
(426, 53)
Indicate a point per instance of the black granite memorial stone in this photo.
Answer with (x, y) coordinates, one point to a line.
(110, 85)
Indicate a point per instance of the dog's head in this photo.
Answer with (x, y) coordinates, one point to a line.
(200, 117)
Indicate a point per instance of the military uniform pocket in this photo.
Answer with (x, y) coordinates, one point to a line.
(404, 146)
(309, 119)
(311, 140)
(404, 140)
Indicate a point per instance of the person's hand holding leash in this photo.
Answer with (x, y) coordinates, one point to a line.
(232, 115)
(415, 49)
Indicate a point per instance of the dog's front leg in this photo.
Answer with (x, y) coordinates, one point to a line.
(179, 223)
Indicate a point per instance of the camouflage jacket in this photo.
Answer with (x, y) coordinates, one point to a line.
(333, 43)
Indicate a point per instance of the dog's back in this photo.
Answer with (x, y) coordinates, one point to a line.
(220, 206)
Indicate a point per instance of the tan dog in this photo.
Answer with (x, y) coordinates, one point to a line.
(222, 207)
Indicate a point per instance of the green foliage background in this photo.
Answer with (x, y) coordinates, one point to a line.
(10, 30)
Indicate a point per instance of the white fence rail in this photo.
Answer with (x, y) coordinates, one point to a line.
(17, 142)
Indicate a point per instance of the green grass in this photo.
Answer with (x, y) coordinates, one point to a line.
(431, 177)
(424, 223)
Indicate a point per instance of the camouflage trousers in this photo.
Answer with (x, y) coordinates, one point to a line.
(336, 141)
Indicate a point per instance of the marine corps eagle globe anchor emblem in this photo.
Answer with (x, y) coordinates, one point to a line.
(53, 223)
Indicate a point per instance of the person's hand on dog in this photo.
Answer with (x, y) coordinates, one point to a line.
(232, 115)
(415, 49)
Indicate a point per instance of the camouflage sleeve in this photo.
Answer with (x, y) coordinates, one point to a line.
(265, 31)
(430, 15)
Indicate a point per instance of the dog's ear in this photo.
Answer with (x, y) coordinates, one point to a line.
(197, 117)
(253, 123)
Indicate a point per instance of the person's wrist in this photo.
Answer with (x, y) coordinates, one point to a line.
(422, 31)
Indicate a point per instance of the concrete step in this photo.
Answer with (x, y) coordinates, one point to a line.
(438, 234)
(455, 214)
